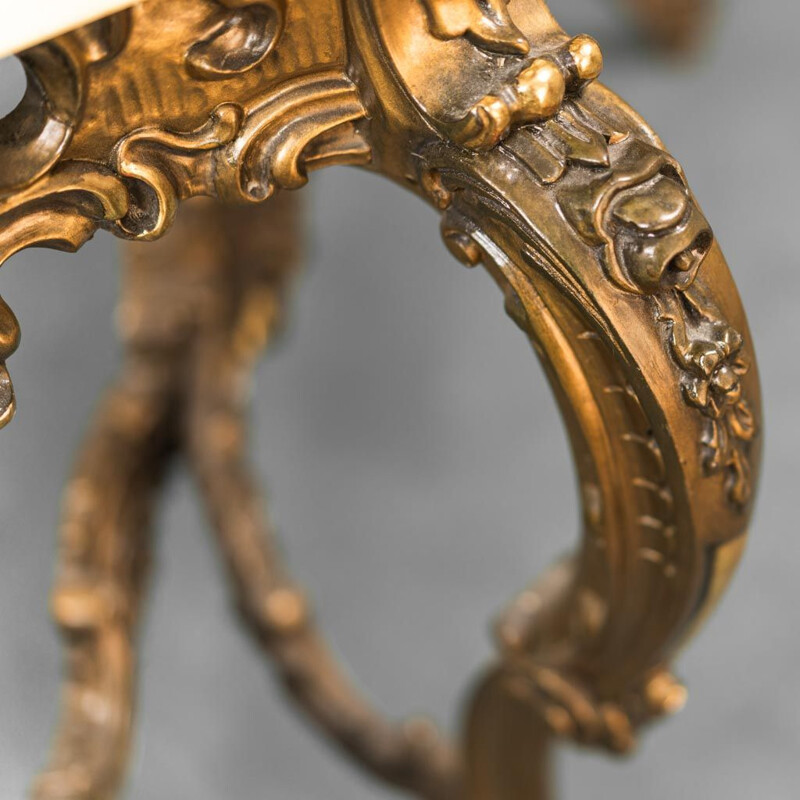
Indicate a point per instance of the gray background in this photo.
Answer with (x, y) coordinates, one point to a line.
(418, 470)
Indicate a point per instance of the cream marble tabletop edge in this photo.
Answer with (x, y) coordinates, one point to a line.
(29, 22)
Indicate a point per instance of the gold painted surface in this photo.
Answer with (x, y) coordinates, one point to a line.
(492, 114)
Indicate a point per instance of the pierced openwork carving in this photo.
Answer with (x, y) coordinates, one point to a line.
(493, 115)
(34, 136)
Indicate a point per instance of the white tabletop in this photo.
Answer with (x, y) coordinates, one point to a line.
(29, 22)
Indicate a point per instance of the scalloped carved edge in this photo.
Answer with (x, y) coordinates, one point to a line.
(234, 155)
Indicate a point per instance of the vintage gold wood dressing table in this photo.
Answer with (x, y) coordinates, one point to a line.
(493, 115)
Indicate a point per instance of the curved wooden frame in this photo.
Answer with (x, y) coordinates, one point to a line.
(493, 115)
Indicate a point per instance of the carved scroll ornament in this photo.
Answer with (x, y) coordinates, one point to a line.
(491, 113)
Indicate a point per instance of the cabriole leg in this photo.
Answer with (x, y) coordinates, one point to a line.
(103, 560)
(256, 257)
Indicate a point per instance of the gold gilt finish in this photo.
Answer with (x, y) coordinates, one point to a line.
(493, 115)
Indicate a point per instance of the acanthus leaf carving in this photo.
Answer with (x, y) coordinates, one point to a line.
(630, 199)
(268, 153)
(487, 23)
(232, 155)
(173, 166)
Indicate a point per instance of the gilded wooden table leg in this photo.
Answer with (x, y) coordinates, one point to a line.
(197, 309)
(499, 765)
(493, 115)
(103, 560)
(255, 254)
